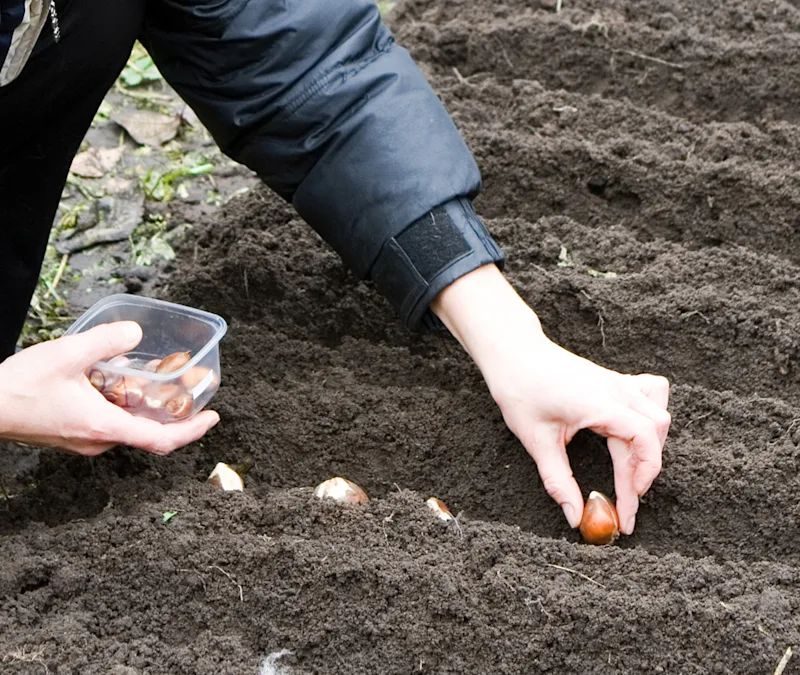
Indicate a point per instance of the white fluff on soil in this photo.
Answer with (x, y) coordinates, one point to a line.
(269, 667)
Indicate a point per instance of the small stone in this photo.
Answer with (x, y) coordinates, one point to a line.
(123, 670)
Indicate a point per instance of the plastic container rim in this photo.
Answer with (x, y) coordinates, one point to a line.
(126, 299)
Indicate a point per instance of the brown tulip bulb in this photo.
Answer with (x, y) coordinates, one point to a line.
(179, 406)
(600, 522)
(196, 375)
(342, 490)
(173, 362)
(226, 478)
(97, 378)
(439, 508)
(126, 392)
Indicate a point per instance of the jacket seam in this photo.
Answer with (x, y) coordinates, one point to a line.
(226, 16)
(489, 245)
(325, 78)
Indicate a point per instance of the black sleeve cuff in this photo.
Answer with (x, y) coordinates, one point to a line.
(430, 254)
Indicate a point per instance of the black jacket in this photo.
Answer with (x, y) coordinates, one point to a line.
(319, 101)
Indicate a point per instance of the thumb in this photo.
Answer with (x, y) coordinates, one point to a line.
(101, 342)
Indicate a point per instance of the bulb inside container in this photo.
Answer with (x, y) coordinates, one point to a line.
(175, 366)
(165, 401)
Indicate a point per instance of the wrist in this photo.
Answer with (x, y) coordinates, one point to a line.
(6, 407)
(487, 316)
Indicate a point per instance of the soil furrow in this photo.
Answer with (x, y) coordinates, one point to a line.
(669, 308)
(648, 192)
(485, 103)
(640, 171)
(363, 579)
(724, 318)
(743, 20)
(700, 78)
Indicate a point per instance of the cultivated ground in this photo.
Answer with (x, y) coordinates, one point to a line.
(640, 165)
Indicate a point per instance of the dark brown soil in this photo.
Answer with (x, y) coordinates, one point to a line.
(656, 140)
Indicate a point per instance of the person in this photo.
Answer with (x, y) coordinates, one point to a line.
(335, 117)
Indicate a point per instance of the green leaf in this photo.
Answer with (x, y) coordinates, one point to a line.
(103, 113)
(156, 187)
(148, 251)
(601, 275)
(385, 6)
(168, 515)
(564, 258)
(131, 78)
(139, 70)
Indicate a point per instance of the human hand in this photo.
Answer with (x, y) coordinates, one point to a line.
(47, 400)
(547, 394)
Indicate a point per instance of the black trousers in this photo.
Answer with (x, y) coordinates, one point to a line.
(44, 115)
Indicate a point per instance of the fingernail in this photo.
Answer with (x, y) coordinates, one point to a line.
(631, 524)
(132, 331)
(215, 422)
(569, 513)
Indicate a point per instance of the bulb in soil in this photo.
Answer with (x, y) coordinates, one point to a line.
(439, 508)
(600, 523)
(342, 490)
(173, 362)
(225, 478)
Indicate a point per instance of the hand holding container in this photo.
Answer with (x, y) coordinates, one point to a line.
(174, 371)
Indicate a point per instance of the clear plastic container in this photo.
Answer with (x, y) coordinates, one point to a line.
(143, 381)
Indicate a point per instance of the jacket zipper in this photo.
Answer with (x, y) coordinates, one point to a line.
(54, 21)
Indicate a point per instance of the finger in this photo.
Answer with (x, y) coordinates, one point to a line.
(162, 439)
(86, 449)
(628, 425)
(99, 343)
(627, 501)
(654, 387)
(94, 449)
(642, 442)
(649, 408)
(551, 459)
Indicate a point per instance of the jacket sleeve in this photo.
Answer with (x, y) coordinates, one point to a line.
(317, 98)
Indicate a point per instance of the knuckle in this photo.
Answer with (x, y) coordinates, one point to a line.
(71, 350)
(108, 344)
(643, 428)
(95, 431)
(105, 339)
(654, 463)
(161, 446)
(661, 383)
(555, 486)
